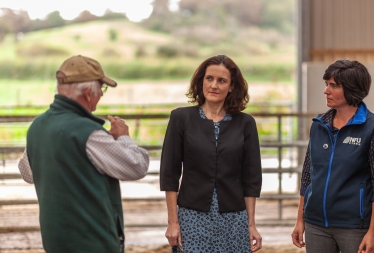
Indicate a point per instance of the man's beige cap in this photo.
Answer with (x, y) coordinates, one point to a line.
(79, 69)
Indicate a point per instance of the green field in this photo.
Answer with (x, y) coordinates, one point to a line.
(145, 131)
(137, 53)
(28, 66)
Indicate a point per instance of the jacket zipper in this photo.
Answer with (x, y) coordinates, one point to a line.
(329, 172)
(362, 206)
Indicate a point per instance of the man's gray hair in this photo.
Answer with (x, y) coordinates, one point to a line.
(73, 90)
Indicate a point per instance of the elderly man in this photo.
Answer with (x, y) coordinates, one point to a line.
(76, 164)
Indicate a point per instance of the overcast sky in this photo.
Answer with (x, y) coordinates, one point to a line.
(135, 10)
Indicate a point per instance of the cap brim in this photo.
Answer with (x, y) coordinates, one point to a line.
(109, 81)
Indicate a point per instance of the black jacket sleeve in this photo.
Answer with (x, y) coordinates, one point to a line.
(172, 154)
(252, 172)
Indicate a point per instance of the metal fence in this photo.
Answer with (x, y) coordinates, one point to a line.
(280, 141)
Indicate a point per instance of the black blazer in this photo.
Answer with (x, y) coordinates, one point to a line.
(233, 167)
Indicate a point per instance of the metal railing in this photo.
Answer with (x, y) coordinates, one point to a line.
(277, 142)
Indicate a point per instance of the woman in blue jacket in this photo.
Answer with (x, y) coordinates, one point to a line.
(336, 192)
(211, 207)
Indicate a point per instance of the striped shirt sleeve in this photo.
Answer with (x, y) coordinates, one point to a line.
(24, 168)
(121, 159)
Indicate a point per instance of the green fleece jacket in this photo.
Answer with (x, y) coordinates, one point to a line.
(80, 209)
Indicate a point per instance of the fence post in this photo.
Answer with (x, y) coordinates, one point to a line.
(279, 118)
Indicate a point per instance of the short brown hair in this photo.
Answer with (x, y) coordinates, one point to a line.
(353, 77)
(236, 100)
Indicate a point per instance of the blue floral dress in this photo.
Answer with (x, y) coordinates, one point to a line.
(213, 232)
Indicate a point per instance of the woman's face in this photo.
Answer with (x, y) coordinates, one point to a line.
(334, 94)
(216, 83)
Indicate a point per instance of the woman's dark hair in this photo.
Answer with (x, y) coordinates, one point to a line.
(236, 100)
(353, 76)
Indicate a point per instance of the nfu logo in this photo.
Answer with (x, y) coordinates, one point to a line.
(353, 141)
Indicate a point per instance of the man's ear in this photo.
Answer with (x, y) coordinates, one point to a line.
(87, 93)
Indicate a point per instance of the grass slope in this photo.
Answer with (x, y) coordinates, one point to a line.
(91, 39)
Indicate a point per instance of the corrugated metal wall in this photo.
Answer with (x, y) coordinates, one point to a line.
(341, 29)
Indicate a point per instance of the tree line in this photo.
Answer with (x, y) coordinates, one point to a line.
(18, 21)
(265, 14)
(224, 23)
(193, 16)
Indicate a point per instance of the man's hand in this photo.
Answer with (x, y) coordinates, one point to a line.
(117, 127)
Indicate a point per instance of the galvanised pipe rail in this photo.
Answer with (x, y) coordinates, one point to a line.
(278, 144)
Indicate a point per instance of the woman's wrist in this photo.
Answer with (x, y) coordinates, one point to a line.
(173, 222)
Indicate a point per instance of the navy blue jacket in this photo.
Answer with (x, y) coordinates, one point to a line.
(340, 189)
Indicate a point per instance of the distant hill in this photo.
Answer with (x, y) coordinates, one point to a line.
(129, 51)
(99, 39)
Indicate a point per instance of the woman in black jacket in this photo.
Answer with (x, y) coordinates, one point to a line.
(217, 146)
